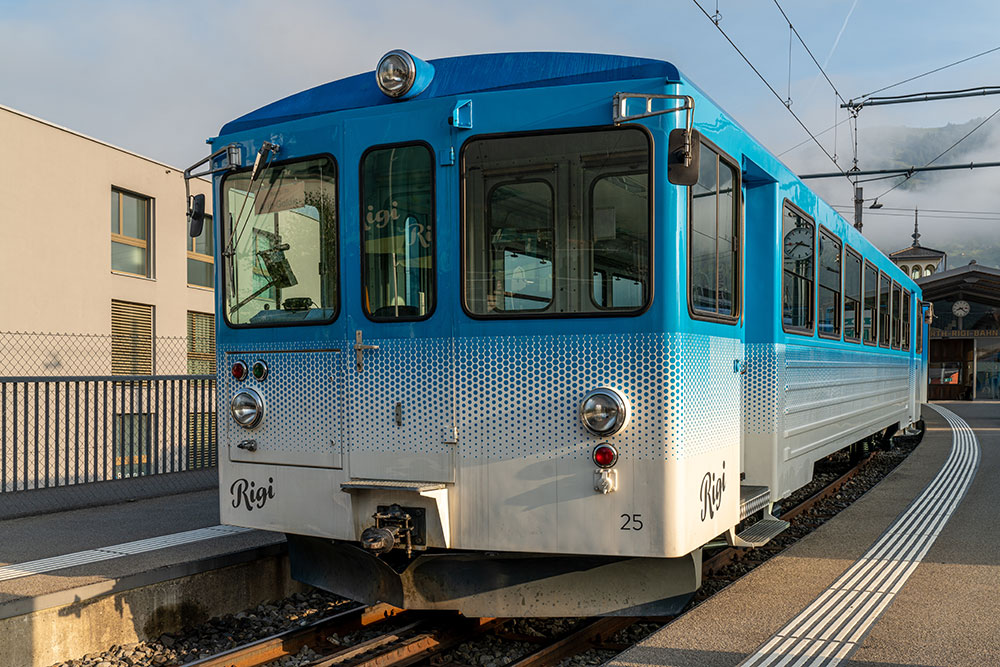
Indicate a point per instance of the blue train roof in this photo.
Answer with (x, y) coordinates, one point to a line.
(458, 76)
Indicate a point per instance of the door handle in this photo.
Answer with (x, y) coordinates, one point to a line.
(359, 350)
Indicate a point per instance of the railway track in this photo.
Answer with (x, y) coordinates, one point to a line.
(402, 638)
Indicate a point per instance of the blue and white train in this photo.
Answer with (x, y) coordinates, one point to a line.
(518, 334)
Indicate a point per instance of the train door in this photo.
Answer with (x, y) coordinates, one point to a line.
(400, 409)
(281, 288)
(761, 328)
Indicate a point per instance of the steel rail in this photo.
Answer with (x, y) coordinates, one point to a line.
(292, 641)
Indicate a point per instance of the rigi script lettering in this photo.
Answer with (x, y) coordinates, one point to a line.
(248, 494)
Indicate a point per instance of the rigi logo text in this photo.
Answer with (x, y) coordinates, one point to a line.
(248, 494)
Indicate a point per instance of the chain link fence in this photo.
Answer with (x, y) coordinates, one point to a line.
(49, 354)
(73, 432)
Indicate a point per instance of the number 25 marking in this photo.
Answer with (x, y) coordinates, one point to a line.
(632, 522)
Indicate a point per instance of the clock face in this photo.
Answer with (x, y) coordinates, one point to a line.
(960, 309)
(798, 243)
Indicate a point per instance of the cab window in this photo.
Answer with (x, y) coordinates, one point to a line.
(397, 232)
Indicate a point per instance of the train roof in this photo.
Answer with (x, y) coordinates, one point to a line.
(459, 76)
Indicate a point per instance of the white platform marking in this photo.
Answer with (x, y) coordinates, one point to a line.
(115, 551)
(829, 630)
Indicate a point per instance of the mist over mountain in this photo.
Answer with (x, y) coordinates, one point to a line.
(963, 237)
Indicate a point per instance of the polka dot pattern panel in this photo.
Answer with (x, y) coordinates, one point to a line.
(519, 397)
(760, 387)
(303, 396)
(417, 374)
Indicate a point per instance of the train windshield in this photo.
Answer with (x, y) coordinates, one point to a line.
(280, 246)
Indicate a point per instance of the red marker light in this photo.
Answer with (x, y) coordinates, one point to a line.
(239, 370)
(605, 455)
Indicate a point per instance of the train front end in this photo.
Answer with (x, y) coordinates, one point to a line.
(456, 362)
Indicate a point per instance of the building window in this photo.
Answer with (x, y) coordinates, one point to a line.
(200, 264)
(130, 233)
(200, 343)
(131, 338)
(798, 274)
(852, 296)
(904, 269)
(829, 284)
(132, 436)
(870, 328)
(929, 269)
(714, 237)
(915, 272)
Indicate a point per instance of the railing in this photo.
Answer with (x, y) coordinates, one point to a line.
(59, 431)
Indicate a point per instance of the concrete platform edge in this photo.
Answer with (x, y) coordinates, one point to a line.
(143, 607)
(80, 594)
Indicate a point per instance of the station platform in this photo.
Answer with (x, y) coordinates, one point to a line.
(78, 581)
(907, 575)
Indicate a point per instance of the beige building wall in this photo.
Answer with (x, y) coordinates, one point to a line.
(55, 235)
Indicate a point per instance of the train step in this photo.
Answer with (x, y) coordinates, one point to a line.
(759, 533)
(391, 485)
(753, 499)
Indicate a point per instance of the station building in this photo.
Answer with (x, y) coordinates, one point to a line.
(964, 337)
(96, 261)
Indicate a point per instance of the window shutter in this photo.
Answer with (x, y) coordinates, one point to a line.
(131, 338)
(200, 343)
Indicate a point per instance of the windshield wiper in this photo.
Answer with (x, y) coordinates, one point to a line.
(259, 165)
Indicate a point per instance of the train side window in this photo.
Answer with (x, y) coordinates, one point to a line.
(852, 296)
(896, 319)
(798, 249)
(397, 232)
(884, 318)
(713, 239)
(870, 315)
(906, 320)
(828, 300)
(920, 326)
(557, 223)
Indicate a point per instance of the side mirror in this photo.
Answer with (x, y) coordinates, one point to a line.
(196, 215)
(683, 157)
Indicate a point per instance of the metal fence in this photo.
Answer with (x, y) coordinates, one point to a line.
(68, 430)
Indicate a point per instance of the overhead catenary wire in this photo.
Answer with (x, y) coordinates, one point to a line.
(938, 69)
(806, 47)
(818, 134)
(942, 153)
(771, 88)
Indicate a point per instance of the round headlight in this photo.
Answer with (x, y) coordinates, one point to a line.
(604, 412)
(247, 408)
(395, 73)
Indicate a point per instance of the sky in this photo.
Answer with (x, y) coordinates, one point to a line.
(158, 78)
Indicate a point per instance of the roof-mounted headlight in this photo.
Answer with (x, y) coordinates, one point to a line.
(399, 75)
